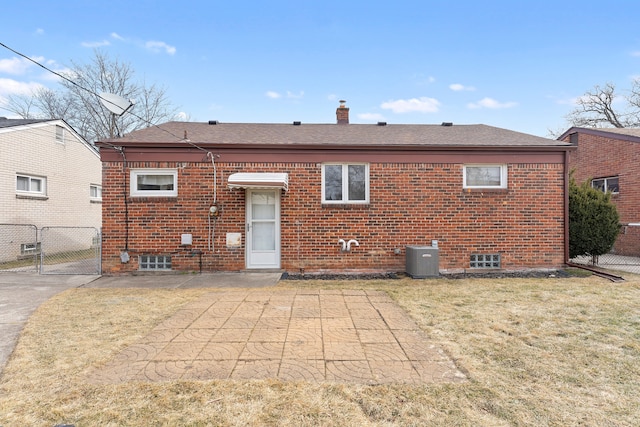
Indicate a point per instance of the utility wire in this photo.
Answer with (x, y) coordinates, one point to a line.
(97, 95)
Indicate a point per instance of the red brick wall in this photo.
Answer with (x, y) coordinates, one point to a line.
(600, 157)
(410, 204)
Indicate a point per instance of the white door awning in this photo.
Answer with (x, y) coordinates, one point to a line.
(259, 180)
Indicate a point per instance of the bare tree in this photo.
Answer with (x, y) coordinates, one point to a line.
(78, 102)
(596, 107)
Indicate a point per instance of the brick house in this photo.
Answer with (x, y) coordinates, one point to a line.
(49, 176)
(327, 197)
(610, 159)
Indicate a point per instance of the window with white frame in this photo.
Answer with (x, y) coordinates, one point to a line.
(31, 184)
(345, 183)
(59, 133)
(95, 192)
(485, 176)
(30, 248)
(154, 182)
(607, 184)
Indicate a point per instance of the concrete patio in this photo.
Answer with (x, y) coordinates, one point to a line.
(350, 336)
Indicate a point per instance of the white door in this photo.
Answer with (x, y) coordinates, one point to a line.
(263, 229)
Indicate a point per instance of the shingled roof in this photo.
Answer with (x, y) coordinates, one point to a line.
(7, 123)
(626, 134)
(446, 135)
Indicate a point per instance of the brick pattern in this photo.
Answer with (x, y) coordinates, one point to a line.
(410, 204)
(69, 168)
(599, 157)
(344, 336)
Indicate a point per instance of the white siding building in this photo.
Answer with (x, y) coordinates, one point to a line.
(49, 175)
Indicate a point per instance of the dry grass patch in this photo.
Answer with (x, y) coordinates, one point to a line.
(538, 352)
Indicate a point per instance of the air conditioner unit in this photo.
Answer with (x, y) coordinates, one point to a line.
(422, 261)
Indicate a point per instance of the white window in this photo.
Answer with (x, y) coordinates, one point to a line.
(31, 184)
(95, 192)
(154, 182)
(345, 183)
(59, 133)
(607, 184)
(485, 176)
(30, 248)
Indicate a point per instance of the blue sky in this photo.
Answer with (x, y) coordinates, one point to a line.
(513, 64)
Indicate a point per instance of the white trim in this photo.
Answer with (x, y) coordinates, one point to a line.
(345, 183)
(43, 184)
(257, 180)
(133, 183)
(98, 190)
(262, 258)
(503, 175)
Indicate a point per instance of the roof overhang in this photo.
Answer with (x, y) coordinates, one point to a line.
(259, 180)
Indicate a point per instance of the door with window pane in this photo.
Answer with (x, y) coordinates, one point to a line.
(263, 229)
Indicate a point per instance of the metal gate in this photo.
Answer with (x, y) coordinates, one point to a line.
(70, 250)
(19, 248)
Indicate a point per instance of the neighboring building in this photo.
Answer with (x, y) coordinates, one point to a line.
(49, 176)
(610, 159)
(218, 196)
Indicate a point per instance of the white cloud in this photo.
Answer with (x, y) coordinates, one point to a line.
(420, 105)
(10, 86)
(156, 46)
(635, 53)
(332, 97)
(273, 95)
(292, 95)
(459, 87)
(17, 66)
(566, 101)
(95, 44)
(374, 117)
(38, 32)
(491, 104)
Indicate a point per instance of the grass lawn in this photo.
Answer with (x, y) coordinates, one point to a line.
(538, 352)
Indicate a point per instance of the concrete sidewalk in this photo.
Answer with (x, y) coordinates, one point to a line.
(22, 293)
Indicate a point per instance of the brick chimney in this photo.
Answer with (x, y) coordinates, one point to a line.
(342, 113)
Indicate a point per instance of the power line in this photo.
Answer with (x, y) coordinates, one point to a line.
(97, 95)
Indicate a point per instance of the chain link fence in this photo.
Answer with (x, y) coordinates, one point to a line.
(70, 250)
(19, 248)
(625, 256)
(49, 250)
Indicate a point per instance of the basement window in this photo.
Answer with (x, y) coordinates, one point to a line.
(154, 182)
(485, 261)
(154, 262)
(30, 248)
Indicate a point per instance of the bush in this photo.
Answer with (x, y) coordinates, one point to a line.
(593, 220)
